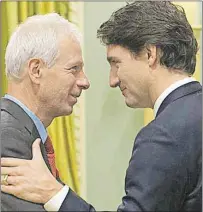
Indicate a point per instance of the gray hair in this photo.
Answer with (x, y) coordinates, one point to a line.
(37, 37)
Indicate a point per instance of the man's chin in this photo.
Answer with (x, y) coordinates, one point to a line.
(66, 112)
(131, 104)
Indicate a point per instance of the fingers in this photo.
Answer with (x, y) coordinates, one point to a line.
(8, 189)
(4, 179)
(14, 180)
(12, 162)
(36, 151)
(10, 175)
(13, 185)
(10, 171)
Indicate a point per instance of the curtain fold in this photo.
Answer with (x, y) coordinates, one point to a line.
(61, 130)
(4, 40)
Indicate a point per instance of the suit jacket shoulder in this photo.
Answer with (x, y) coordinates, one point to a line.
(17, 135)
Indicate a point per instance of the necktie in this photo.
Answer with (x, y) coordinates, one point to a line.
(51, 156)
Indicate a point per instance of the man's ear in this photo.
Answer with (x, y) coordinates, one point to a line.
(152, 55)
(35, 66)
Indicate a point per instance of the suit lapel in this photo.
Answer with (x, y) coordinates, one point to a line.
(18, 113)
(184, 90)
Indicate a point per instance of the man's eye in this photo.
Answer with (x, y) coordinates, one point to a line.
(114, 62)
(75, 68)
(116, 65)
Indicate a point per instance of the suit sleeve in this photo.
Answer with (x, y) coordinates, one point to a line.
(157, 173)
(14, 143)
(73, 202)
(156, 177)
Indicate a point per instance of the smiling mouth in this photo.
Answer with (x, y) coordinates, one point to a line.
(76, 96)
(73, 100)
(123, 91)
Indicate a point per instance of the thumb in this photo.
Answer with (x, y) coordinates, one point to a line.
(36, 151)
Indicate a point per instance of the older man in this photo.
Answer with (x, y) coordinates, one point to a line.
(152, 50)
(44, 66)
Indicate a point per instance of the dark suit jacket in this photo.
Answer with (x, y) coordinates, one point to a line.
(164, 172)
(18, 132)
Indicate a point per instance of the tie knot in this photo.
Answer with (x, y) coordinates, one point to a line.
(48, 146)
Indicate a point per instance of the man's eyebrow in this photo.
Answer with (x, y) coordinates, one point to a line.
(111, 59)
(80, 63)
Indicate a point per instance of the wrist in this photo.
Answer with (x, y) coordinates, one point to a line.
(51, 191)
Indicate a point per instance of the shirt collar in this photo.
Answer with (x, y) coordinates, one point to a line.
(169, 90)
(39, 125)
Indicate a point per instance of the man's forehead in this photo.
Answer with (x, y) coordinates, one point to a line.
(112, 51)
(70, 51)
(71, 58)
(75, 60)
(69, 44)
(116, 52)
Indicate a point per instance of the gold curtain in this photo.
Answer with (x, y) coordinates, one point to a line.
(61, 130)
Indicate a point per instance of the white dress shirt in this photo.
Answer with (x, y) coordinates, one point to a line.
(55, 202)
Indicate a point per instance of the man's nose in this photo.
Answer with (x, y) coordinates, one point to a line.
(113, 79)
(83, 82)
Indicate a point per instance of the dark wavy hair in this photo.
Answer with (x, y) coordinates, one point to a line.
(160, 23)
